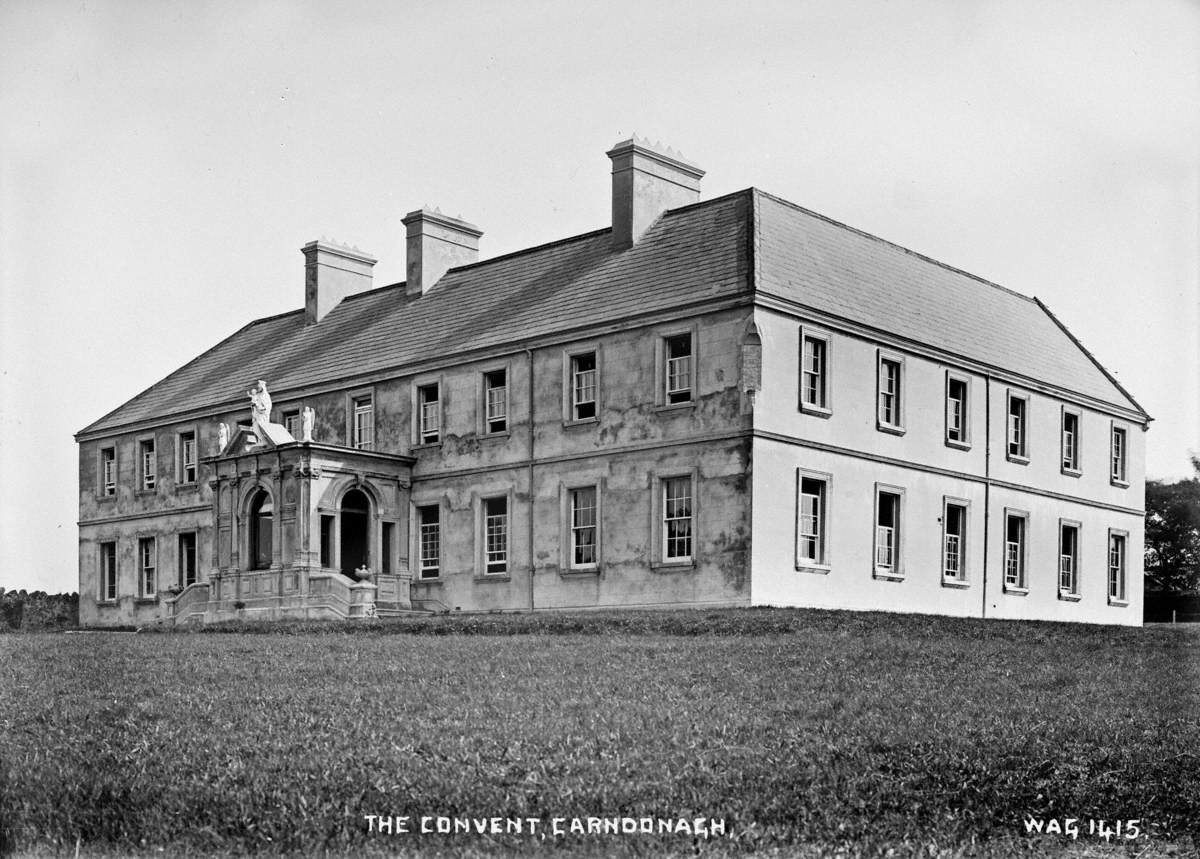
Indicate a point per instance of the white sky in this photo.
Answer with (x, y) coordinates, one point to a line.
(162, 163)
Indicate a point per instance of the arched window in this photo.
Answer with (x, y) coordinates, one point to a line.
(262, 512)
(355, 531)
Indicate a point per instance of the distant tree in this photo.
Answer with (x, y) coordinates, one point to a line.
(1173, 534)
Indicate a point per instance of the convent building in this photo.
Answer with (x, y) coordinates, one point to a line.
(727, 402)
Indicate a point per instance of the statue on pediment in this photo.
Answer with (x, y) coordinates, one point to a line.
(260, 403)
(307, 418)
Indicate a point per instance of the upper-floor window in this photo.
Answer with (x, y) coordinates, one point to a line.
(956, 411)
(584, 383)
(677, 518)
(147, 463)
(1117, 473)
(363, 422)
(954, 540)
(147, 567)
(429, 541)
(814, 372)
(1116, 566)
(187, 457)
(678, 368)
(429, 414)
(108, 571)
(291, 422)
(108, 471)
(1068, 559)
(1070, 442)
(495, 534)
(495, 401)
(1014, 551)
(187, 559)
(890, 384)
(812, 522)
(887, 533)
(1018, 446)
(584, 528)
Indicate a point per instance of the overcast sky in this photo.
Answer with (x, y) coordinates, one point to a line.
(162, 163)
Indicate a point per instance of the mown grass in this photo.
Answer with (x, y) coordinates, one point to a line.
(808, 732)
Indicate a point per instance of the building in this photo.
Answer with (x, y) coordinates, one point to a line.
(718, 403)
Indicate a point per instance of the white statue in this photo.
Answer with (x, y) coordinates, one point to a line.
(222, 437)
(260, 403)
(307, 418)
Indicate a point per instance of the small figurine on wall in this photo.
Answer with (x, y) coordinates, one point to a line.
(307, 418)
(222, 437)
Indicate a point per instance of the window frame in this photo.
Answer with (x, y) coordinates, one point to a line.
(567, 527)
(823, 563)
(181, 458)
(1073, 592)
(1123, 599)
(1021, 457)
(102, 492)
(569, 404)
(290, 414)
(140, 465)
(1123, 430)
(1075, 468)
(179, 558)
(658, 530)
(963, 443)
(825, 408)
(963, 579)
(484, 427)
(418, 553)
(144, 593)
(662, 398)
(108, 578)
(897, 569)
(883, 357)
(482, 573)
(1020, 588)
(420, 437)
(353, 398)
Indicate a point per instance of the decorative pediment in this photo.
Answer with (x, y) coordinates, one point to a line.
(260, 437)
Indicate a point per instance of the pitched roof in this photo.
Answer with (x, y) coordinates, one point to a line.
(835, 269)
(691, 254)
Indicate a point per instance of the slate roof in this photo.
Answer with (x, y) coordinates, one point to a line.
(692, 254)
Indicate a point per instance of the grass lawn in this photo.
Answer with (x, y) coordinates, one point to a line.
(807, 732)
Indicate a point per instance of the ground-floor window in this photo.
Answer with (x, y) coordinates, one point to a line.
(495, 529)
(812, 516)
(429, 541)
(584, 527)
(187, 559)
(327, 540)
(887, 532)
(108, 571)
(147, 567)
(677, 518)
(1116, 566)
(1068, 559)
(1014, 551)
(954, 540)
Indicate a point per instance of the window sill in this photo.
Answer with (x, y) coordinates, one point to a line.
(890, 428)
(1019, 460)
(107, 603)
(187, 487)
(146, 600)
(888, 577)
(675, 407)
(1072, 472)
(426, 445)
(955, 583)
(1118, 603)
(571, 423)
(1015, 591)
(815, 411)
(495, 436)
(816, 569)
(105, 498)
(673, 566)
(579, 572)
(494, 577)
(1069, 597)
(1123, 484)
(958, 445)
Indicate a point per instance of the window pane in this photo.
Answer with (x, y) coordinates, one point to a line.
(430, 537)
(496, 534)
(677, 517)
(583, 386)
(583, 526)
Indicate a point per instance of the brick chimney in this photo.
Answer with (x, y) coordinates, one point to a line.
(647, 179)
(331, 272)
(436, 243)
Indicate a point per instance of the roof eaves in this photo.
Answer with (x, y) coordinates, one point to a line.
(1111, 378)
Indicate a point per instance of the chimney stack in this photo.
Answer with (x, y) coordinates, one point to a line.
(647, 179)
(331, 272)
(436, 243)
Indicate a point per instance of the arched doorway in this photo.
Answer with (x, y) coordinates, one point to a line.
(355, 530)
(262, 515)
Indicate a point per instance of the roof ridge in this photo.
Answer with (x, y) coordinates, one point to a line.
(892, 244)
(1092, 357)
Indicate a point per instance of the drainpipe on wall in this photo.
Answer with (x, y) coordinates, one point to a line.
(987, 483)
(529, 358)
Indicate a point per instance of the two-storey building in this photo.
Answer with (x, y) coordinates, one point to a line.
(729, 402)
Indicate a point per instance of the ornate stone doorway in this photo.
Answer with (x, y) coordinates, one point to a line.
(355, 532)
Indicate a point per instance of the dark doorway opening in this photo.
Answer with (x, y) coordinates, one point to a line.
(356, 513)
(261, 519)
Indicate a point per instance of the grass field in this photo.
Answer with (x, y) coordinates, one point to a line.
(807, 732)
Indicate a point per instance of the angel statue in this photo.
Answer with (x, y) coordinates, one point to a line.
(222, 436)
